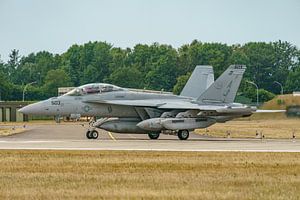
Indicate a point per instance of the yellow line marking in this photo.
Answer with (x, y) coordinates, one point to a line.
(111, 136)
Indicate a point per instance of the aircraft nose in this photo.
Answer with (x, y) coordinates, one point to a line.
(34, 108)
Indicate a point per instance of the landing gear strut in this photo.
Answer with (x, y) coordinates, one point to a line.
(183, 134)
(93, 134)
(154, 135)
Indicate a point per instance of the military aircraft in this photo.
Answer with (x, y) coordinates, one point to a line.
(202, 103)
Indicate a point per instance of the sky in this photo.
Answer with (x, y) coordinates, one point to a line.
(54, 25)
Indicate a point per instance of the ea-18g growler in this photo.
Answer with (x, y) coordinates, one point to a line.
(202, 103)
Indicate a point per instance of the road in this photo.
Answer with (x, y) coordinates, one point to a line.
(72, 137)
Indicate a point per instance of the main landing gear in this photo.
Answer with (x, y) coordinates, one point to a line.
(183, 134)
(154, 135)
(92, 134)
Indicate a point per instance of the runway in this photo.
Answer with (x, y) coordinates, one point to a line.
(72, 137)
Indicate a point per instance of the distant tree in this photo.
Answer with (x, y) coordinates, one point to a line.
(287, 59)
(13, 64)
(34, 67)
(163, 68)
(181, 81)
(238, 56)
(14, 59)
(80, 57)
(293, 80)
(4, 83)
(142, 56)
(54, 79)
(90, 75)
(71, 63)
(102, 59)
(2, 67)
(119, 59)
(126, 77)
(261, 58)
(155, 66)
(198, 53)
(265, 95)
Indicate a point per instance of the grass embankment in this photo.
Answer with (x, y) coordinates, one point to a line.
(282, 102)
(148, 175)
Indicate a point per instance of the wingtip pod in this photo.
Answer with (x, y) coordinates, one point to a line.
(269, 111)
(224, 89)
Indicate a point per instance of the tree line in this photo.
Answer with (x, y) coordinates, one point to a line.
(155, 66)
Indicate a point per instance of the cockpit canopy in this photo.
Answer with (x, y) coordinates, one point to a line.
(93, 88)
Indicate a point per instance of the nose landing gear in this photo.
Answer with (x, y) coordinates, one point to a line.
(93, 134)
(153, 135)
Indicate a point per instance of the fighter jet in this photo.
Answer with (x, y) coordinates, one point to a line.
(202, 103)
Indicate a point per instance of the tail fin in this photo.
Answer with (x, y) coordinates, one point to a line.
(201, 78)
(224, 89)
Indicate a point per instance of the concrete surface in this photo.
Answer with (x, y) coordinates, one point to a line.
(72, 137)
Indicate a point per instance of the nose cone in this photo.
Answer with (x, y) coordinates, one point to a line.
(32, 109)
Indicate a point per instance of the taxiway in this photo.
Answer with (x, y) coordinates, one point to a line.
(72, 137)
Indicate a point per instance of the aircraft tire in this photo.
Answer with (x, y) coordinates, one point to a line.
(94, 134)
(153, 136)
(183, 134)
(88, 134)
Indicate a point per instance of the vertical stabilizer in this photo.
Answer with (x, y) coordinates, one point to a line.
(224, 89)
(201, 78)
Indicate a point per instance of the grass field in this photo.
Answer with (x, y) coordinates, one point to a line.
(10, 131)
(247, 128)
(148, 175)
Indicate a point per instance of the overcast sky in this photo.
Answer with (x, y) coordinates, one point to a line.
(54, 25)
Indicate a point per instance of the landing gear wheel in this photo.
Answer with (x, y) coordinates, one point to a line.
(183, 134)
(94, 134)
(153, 136)
(88, 135)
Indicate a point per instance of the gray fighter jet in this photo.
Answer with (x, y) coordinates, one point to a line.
(201, 104)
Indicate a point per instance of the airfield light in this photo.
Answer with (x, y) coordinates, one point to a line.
(256, 90)
(24, 90)
(281, 91)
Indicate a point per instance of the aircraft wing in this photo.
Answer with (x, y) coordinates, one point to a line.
(142, 103)
(188, 106)
(162, 104)
(201, 110)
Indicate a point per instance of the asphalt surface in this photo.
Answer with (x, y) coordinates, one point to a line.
(72, 137)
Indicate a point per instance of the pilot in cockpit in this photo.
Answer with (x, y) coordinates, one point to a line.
(92, 89)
